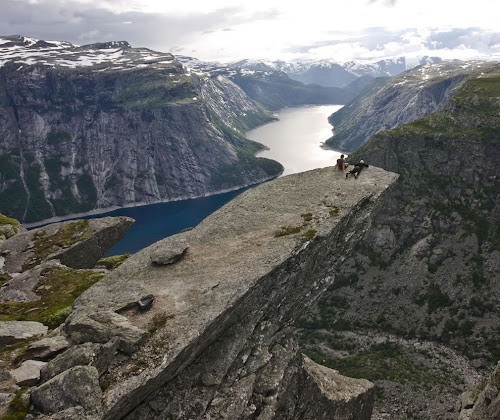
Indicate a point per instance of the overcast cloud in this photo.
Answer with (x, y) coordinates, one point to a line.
(272, 29)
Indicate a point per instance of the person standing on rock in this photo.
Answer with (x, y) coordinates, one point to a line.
(357, 169)
(341, 165)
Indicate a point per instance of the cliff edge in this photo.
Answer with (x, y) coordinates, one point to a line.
(200, 324)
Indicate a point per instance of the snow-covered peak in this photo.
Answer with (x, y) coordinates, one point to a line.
(113, 55)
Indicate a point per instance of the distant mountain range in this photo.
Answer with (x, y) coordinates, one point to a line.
(321, 72)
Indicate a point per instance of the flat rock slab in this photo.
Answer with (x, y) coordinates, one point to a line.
(14, 331)
(229, 252)
(46, 348)
(28, 374)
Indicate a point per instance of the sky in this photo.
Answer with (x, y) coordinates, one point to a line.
(228, 30)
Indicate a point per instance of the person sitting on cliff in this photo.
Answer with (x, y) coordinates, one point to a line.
(357, 169)
(341, 164)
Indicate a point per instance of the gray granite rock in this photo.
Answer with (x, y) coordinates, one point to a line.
(221, 313)
(102, 326)
(46, 348)
(171, 253)
(21, 287)
(482, 402)
(20, 250)
(88, 354)
(78, 386)
(28, 374)
(13, 331)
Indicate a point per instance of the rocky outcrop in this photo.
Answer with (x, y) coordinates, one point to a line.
(36, 295)
(482, 401)
(386, 104)
(46, 348)
(9, 227)
(76, 244)
(85, 128)
(75, 387)
(218, 340)
(14, 331)
(28, 374)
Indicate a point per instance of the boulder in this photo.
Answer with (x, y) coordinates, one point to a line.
(170, 252)
(14, 331)
(88, 354)
(46, 348)
(102, 326)
(28, 374)
(78, 386)
(20, 288)
(9, 227)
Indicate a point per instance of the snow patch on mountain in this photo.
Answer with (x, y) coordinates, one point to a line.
(118, 55)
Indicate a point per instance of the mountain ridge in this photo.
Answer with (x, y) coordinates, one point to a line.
(388, 103)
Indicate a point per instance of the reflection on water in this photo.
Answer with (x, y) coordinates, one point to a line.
(295, 139)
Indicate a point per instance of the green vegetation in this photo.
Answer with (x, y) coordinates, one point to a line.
(334, 212)
(112, 181)
(387, 361)
(158, 321)
(8, 169)
(152, 89)
(434, 298)
(287, 230)
(4, 278)
(38, 206)
(88, 190)
(13, 196)
(4, 221)
(58, 289)
(58, 137)
(311, 233)
(307, 217)
(65, 236)
(375, 258)
(110, 263)
(18, 408)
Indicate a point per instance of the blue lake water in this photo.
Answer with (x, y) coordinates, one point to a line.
(294, 141)
(157, 221)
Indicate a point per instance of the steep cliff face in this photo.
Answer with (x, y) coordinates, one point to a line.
(387, 104)
(427, 271)
(105, 125)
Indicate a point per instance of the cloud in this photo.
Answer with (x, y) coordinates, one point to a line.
(229, 30)
(78, 23)
(389, 3)
(377, 43)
